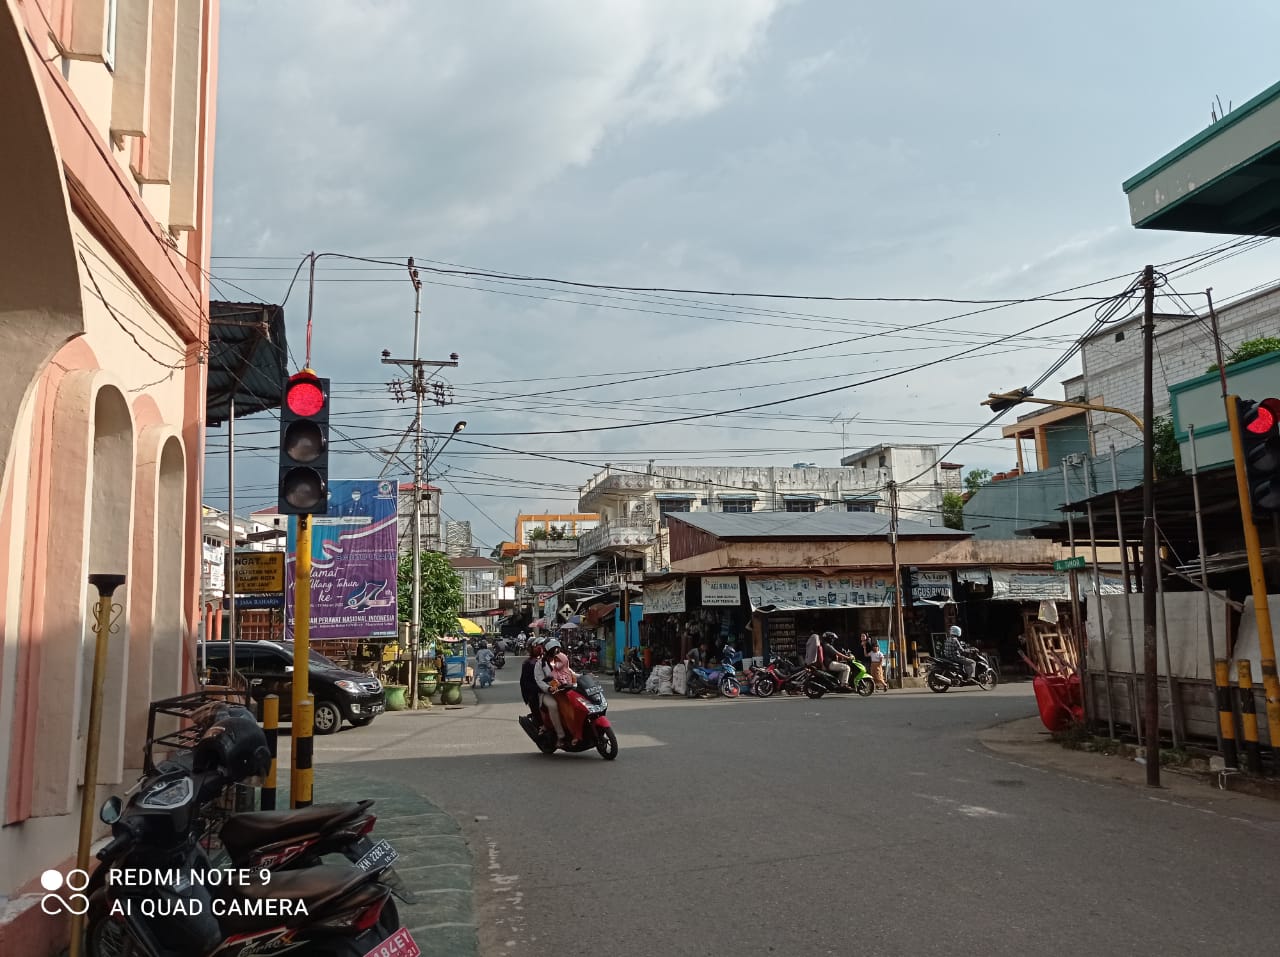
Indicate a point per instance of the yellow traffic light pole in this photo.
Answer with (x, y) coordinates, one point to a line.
(301, 729)
(1257, 576)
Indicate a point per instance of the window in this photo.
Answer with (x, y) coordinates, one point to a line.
(109, 41)
(802, 506)
(739, 505)
(859, 506)
(666, 506)
(882, 461)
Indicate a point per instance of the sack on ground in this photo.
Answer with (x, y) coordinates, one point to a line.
(677, 678)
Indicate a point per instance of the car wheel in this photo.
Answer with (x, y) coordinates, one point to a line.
(328, 717)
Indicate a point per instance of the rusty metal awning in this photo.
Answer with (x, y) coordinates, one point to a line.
(248, 359)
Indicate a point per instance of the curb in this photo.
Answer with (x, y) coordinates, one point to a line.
(435, 859)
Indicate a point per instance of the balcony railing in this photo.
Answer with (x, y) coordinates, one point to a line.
(615, 536)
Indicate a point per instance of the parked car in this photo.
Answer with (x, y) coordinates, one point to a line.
(268, 667)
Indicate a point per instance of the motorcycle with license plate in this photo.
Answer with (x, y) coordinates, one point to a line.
(586, 722)
(942, 674)
(188, 905)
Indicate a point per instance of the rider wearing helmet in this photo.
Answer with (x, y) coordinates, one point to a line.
(528, 686)
(552, 673)
(835, 659)
(953, 650)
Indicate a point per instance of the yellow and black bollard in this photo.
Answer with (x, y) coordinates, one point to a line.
(271, 728)
(1249, 718)
(303, 727)
(1226, 717)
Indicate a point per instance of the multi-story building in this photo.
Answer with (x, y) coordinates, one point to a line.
(430, 518)
(457, 540)
(634, 500)
(1112, 360)
(105, 187)
(482, 590)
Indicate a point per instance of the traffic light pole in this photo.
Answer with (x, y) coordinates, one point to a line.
(1252, 545)
(300, 776)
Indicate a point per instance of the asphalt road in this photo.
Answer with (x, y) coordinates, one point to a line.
(846, 825)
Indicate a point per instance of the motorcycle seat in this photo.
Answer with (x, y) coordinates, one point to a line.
(243, 832)
(312, 886)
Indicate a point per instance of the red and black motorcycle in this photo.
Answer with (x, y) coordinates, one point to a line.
(586, 722)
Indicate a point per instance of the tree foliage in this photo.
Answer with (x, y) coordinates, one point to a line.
(441, 594)
(976, 479)
(1168, 459)
(1251, 349)
(953, 510)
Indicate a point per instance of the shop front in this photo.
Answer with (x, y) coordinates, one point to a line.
(685, 612)
(789, 608)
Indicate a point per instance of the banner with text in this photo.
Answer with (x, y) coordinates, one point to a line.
(721, 591)
(1044, 586)
(795, 593)
(353, 563)
(663, 598)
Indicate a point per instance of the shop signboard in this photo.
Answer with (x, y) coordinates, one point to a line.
(213, 560)
(721, 591)
(664, 598)
(353, 563)
(792, 593)
(930, 586)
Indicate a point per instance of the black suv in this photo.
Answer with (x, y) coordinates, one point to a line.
(268, 667)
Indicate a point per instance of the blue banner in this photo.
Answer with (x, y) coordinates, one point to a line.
(353, 563)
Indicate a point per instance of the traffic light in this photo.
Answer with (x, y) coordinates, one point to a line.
(1260, 436)
(304, 446)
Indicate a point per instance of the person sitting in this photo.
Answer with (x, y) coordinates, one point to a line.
(484, 665)
(953, 650)
(836, 660)
(529, 686)
(813, 657)
(552, 675)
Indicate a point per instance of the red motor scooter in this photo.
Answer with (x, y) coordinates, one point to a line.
(586, 722)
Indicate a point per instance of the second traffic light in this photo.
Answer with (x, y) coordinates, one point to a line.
(304, 446)
(1260, 436)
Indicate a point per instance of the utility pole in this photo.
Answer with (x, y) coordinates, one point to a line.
(1252, 545)
(1149, 661)
(418, 385)
(898, 628)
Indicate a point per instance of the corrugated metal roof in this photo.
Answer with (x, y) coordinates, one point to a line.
(247, 359)
(808, 525)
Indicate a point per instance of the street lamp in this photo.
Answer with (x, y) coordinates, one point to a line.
(1004, 401)
(457, 427)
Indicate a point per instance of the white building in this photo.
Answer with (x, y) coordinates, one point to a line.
(482, 589)
(633, 500)
(457, 540)
(1112, 360)
(260, 532)
(430, 518)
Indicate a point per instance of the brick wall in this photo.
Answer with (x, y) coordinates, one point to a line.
(1183, 350)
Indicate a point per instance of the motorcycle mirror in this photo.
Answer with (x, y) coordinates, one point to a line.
(111, 810)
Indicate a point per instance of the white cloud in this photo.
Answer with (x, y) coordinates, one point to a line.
(428, 119)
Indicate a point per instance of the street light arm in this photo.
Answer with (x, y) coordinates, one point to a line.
(1014, 398)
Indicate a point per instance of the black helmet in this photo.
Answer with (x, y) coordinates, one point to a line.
(234, 745)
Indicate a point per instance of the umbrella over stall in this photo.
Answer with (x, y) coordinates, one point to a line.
(469, 627)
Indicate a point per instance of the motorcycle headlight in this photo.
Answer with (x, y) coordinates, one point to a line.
(350, 687)
(168, 796)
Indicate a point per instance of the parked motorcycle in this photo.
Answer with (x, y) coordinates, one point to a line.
(587, 722)
(332, 910)
(764, 682)
(942, 674)
(630, 675)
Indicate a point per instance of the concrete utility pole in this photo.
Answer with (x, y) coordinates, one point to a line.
(418, 385)
(1151, 688)
(898, 627)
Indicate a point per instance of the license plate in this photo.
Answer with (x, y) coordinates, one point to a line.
(380, 856)
(399, 944)
(377, 708)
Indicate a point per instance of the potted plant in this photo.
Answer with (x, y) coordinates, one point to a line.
(395, 697)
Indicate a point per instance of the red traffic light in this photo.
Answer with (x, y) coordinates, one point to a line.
(1263, 418)
(304, 396)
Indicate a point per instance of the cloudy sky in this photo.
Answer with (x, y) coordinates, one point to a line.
(810, 147)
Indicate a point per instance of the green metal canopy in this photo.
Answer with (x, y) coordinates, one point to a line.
(1226, 179)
